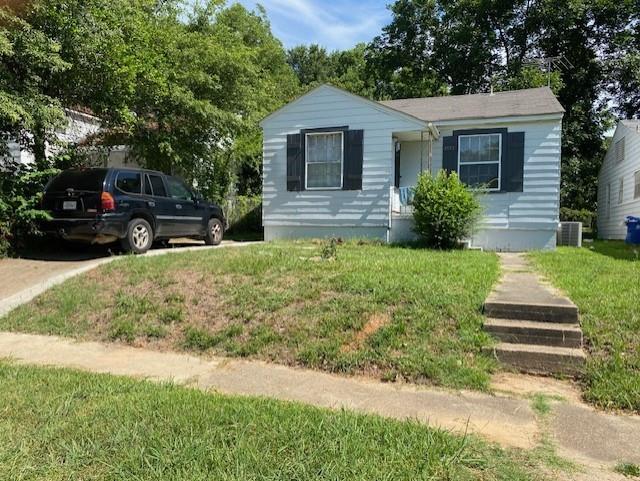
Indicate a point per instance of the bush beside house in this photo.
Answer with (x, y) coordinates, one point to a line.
(444, 210)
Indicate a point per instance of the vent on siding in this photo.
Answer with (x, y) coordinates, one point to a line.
(570, 234)
(619, 150)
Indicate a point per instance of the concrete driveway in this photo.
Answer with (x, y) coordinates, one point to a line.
(22, 279)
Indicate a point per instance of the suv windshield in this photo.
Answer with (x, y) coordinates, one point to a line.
(88, 180)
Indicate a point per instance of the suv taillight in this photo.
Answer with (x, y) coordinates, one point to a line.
(107, 202)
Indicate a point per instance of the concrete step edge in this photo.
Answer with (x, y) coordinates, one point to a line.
(525, 324)
(542, 350)
(532, 312)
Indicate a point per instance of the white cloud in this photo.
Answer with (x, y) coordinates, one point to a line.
(335, 25)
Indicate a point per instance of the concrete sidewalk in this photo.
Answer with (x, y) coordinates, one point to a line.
(580, 433)
(23, 279)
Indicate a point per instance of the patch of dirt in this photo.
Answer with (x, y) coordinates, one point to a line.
(375, 322)
(527, 385)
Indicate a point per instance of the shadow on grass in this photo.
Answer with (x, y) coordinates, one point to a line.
(615, 249)
(246, 236)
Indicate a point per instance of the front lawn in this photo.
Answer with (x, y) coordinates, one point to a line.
(604, 281)
(60, 424)
(390, 312)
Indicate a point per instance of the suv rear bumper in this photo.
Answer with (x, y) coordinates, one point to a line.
(100, 229)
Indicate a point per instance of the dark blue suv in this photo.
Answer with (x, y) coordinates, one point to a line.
(135, 206)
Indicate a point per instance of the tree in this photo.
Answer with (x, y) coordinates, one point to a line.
(346, 69)
(177, 83)
(29, 60)
(402, 58)
(433, 47)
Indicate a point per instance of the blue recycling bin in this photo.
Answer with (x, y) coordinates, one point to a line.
(633, 230)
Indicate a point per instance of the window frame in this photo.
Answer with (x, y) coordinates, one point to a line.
(499, 161)
(167, 180)
(140, 174)
(147, 180)
(620, 190)
(636, 185)
(306, 159)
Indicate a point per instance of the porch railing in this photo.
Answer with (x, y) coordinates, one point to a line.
(401, 200)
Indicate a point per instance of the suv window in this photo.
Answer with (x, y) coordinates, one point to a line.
(89, 180)
(155, 184)
(129, 182)
(178, 190)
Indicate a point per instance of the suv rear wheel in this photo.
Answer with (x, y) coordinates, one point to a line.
(215, 230)
(139, 237)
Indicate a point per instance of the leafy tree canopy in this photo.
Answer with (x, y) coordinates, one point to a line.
(177, 83)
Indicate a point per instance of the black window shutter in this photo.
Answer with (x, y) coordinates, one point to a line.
(353, 155)
(295, 162)
(450, 154)
(513, 168)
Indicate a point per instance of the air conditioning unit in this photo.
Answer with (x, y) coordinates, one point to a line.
(570, 234)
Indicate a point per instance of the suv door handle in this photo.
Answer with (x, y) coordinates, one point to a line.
(178, 206)
(151, 203)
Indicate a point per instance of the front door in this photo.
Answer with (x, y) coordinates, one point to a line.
(397, 165)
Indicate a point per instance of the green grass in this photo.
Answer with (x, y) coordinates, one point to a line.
(61, 424)
(389, 312)
(628, 469)
(604, 281)
(540, 404)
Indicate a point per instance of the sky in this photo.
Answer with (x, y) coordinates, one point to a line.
(336, 25)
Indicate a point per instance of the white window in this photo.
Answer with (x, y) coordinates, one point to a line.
(479, 160)
(608, 201)
(621, 191)
(636, 185)
(324, 157)
(619, 150)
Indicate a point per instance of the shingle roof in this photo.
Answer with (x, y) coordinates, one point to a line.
(537, 101)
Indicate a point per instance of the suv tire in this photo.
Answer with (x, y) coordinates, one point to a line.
(139, 237)
(215, 231)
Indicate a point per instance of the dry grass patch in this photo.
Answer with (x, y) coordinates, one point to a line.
(390, 312)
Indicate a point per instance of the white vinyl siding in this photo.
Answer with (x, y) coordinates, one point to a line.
(538, 205)
(621, 164)
(317, 211)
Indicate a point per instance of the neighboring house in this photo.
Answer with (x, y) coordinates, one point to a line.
(619, 181)
(78, 128)
(336, 164)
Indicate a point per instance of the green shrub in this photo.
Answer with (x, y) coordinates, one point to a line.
(21, 189)
(585, 216)
(444, 209)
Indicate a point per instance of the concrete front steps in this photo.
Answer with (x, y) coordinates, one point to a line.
(538, 328)
(533, 332)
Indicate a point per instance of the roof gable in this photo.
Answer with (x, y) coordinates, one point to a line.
(326, 87)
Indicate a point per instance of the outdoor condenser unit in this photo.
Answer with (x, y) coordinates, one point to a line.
(570, 234)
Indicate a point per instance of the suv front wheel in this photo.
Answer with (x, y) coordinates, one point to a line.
(139, 237)
(215, 230)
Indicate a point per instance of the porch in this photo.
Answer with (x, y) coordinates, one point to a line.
(413, 155)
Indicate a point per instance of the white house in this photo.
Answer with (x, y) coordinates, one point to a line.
(619, 181)
(336, 164)
(79, 126)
